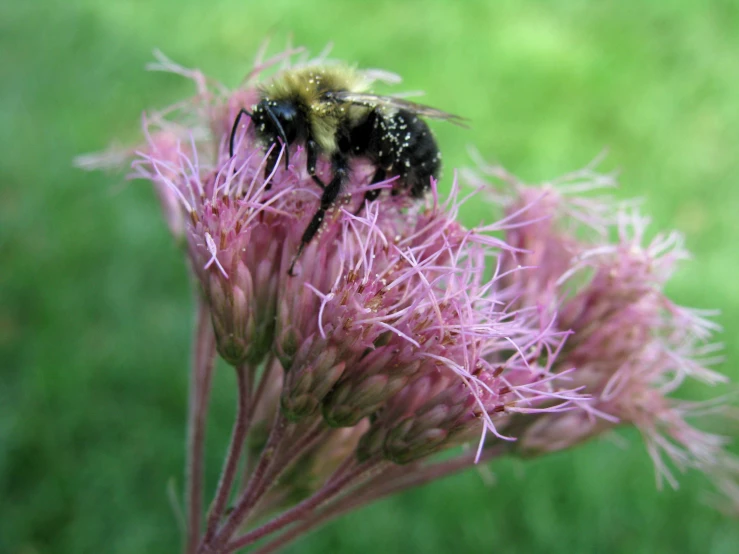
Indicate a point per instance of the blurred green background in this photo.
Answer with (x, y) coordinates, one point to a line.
(95, 306)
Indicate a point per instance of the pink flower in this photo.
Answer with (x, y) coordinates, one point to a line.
(630, 346)
(401, 332)
(383, 303)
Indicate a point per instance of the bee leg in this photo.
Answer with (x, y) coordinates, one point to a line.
(311, 149)
(329, 196)
(372, 195)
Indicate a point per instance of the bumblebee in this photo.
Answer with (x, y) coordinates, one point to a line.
(329, 111)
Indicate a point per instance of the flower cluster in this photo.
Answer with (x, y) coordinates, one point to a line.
(630, 345)
(401, 332)
(391, 307)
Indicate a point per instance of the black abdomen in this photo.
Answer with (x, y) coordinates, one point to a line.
(400, 144)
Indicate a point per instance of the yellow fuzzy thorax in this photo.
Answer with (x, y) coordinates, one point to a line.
(306, 87)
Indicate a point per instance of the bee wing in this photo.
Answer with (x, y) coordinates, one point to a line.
(367, 99)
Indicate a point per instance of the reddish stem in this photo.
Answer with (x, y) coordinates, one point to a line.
(238, 437)
(282, 464)
(254, 488)
(200, 383)
(371, 491)
(269, 367)
(330, 490)
(431, 472)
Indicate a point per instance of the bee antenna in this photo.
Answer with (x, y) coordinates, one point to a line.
(281, 132)
(242, 111)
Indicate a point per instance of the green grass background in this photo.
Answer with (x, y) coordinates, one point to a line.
(95, 309)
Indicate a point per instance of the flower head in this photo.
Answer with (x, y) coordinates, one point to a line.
(389, 314)
(631, 347)
(396, 332)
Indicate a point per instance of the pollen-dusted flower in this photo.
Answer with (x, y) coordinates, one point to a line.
(391, 314)
(396, 332)
(384, 298)
(381, 299)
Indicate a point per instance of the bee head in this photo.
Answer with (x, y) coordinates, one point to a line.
(276, 119)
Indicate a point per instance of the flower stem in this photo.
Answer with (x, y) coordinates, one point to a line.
(238, 437)
(254, 488)
(430, 472)
(200, 383)
(309, 437)
(373, 490)
(270, 366)
(334, 487)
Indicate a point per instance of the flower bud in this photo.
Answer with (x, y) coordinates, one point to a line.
(306, 384)
(230, 278)
(405, 402)
(372, 382)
